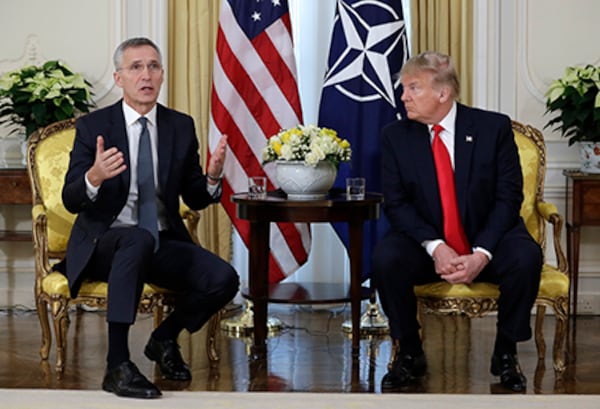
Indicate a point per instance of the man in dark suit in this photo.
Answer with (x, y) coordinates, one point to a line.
(117, 239)
(488, 240)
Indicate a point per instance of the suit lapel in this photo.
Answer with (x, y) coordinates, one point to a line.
(166, 141)
(120, 141)
(465, 138)
(422, 154)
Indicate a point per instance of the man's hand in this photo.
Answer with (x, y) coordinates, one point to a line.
(457, 269)
(108, 163)
(214, 169)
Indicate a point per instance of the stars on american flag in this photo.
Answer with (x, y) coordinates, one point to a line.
(256, 16)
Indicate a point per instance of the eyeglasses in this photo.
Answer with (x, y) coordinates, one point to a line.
(138, 67)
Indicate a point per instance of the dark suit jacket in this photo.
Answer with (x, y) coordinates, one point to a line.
(489, 183)
(179, 174)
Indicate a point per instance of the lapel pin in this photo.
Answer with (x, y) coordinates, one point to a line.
(468, 138)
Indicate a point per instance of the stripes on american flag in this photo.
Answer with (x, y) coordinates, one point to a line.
(254, 95)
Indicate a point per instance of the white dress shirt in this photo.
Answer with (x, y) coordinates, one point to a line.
(447, 136)
(128, 215)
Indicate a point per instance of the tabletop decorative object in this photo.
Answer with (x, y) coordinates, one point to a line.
(307, 158)
(33, 97)
(576, 98)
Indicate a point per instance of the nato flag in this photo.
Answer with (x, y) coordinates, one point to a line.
(361, 93)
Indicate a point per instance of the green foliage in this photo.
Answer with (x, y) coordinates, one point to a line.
(575, 98)
(36, 96)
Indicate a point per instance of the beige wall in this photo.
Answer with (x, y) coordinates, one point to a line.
(84, 35)
(520, 46)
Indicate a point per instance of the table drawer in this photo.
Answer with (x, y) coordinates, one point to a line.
(590, 202)
(14, 187)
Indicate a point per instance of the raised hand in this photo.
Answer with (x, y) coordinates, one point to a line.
(108, 163)
(217, 160)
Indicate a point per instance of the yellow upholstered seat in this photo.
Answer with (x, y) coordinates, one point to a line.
(47, 162)
(477, 299)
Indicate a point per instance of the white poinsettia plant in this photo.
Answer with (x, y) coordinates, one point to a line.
(33, 97)
(575, 100)
(308, 143)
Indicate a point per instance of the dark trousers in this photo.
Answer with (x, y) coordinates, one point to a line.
(124, 257)
(400, 263)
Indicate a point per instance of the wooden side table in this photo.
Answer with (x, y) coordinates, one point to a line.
(583, 209)
(14, 190)
(276, 208)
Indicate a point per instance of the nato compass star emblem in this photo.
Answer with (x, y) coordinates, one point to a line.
(372, 32)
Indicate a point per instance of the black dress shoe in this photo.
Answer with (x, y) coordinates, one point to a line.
(127, 381)
(404, 371)
(507, 367)
(166, 354)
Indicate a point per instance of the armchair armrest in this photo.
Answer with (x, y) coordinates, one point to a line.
(40, 239)
(549, 213)
(191, 218)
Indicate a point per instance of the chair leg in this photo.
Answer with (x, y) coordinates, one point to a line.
(560, 334)
(60, 317)
(212, 350)
(540, 343)
(393, 352)
(42, 311)
(158, 315)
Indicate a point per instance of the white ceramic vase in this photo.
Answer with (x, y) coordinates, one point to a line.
(589, 153)
(302, 182)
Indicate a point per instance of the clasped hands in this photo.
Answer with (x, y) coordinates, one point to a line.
(456, 269)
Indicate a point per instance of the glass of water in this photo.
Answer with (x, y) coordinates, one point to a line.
(355, 188)
(257, 187)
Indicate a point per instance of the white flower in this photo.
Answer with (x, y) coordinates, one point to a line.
(575, 100)
(35, 96)
(309, 143)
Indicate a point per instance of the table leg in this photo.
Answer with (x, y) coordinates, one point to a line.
(574, 234)
(356, 259)
(258, 272)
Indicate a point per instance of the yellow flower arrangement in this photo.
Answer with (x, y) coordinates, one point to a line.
(308, 143)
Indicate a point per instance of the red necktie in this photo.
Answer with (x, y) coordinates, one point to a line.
(453, 230)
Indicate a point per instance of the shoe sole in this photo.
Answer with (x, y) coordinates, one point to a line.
(111, 389)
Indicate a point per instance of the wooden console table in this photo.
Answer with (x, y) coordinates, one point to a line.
(14, 190)
(583, 209)
(276, 208)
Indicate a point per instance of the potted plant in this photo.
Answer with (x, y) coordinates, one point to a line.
(307, 160)
(36, 96)
(575, 97)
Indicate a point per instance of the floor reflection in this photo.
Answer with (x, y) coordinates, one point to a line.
(311, 353)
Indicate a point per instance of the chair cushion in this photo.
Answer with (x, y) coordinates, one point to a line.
(553, 283)
(56, 284)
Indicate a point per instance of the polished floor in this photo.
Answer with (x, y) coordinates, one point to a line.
(309, 354)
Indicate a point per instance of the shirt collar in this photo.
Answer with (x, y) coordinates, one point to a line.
(131, 115)
(449, 121)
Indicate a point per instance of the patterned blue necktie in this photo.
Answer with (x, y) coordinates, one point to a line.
(147, 213)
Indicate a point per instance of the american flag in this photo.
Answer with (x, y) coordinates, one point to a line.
(254, 96)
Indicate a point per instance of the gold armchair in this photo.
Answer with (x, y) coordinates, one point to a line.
(47, 161)
(478, 299)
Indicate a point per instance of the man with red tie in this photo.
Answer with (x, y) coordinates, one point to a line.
(452, 188)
